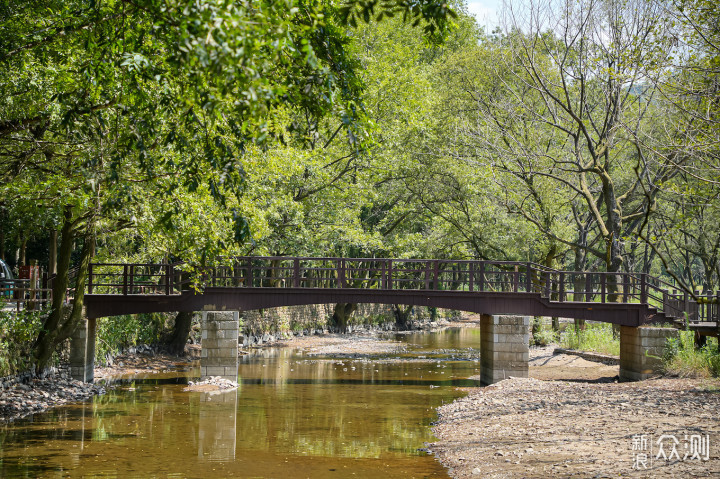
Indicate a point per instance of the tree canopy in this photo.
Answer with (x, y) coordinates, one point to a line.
(580, 135)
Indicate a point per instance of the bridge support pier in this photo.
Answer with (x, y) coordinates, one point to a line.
(641, 351)
(82, 351)
(504, 347)
(219, 356)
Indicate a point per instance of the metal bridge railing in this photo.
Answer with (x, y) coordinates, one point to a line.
(404, 274)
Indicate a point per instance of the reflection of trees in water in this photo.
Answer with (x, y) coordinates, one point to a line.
(292, 405)
(322, 416)
(451, 338)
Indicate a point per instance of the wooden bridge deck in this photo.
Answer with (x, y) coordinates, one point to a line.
(492, 287)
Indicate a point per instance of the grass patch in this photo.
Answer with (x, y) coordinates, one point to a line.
(595, 337)
(684, 360)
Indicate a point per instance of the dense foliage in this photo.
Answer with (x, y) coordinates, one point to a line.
(579, 134)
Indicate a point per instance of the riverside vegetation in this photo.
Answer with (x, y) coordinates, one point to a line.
(158, 131)
(683, 357)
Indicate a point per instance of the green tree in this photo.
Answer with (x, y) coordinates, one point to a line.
(114, 103)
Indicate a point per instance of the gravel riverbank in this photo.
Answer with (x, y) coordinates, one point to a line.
(37, 395)
(534, 428)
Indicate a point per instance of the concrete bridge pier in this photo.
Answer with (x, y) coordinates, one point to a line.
(504, 347)
(82, 351)
(219, 355)
(642, 350)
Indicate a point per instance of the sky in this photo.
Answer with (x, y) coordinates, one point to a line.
(486, 11)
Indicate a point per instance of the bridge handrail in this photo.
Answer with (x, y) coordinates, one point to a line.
(402, 273)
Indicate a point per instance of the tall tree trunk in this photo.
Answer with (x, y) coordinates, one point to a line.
(580, 264)
(549, 261)
(536, 325)
(22, 252)
(60, 324)
(402, 314)
(181, 333)
(52, 261)
(341, 315)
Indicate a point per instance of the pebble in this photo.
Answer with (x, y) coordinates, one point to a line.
(554, 420)
(218, 381)
(40, 394)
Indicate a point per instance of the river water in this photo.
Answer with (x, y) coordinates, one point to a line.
(293, 416)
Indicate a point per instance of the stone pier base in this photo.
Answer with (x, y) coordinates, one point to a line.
(641, 351)
(504, 348)
(219, 355)
(82, 351)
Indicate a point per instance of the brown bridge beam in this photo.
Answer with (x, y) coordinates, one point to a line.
(244, 299)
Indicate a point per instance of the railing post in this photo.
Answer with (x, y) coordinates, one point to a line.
(561, 287)
(131, 278)
(436, 268)
(603, 287)
(167, 279)
(482, 276)
(643, 288)
(427, 275)
(686, 304)
(249, 273)
(471, 274)
(296, 273)
(125, 279)
(389, 274)
(516, 279)
(528, 279)
(341, 273)
(90, 278)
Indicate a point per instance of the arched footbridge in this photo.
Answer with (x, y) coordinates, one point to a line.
(485, 287)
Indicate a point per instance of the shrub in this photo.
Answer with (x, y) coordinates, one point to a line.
(544, 337)
(18, 331)
(595, 337)
(682, 358)
(117, 332)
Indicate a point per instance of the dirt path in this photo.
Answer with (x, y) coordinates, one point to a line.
(548, 366)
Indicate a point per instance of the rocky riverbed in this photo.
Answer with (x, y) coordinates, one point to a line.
(211, 385)
(36, 395)
(339, 345)
(26, 395)
(550, 428)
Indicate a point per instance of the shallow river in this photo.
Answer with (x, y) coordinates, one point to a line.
(293, 416)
